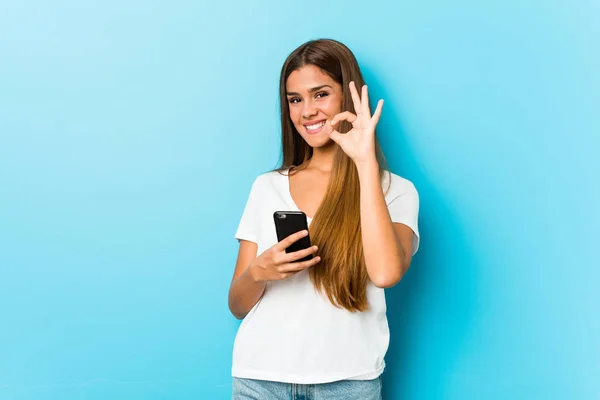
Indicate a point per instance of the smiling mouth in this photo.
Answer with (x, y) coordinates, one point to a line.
(315, 128)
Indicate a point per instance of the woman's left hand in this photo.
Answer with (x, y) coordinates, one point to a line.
(359, 142)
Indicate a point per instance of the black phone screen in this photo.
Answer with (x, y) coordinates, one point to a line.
(288, 223)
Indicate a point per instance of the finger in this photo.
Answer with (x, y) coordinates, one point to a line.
(377, 114)
(355, 98)
(283, 276)
(343, 116)
(364, 99)
(298, 266)
(288, 241)
(336, 136)
(297, 255)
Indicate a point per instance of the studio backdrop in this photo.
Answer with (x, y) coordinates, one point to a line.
(131, 132)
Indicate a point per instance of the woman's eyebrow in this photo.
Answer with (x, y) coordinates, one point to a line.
(309, 90)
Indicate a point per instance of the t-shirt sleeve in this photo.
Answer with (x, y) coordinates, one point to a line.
(404, 209)
(248, 225)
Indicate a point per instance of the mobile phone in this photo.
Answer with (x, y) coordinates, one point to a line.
(289, 222)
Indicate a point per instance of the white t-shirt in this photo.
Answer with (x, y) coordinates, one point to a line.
(294, 334)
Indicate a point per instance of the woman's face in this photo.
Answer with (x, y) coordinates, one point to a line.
(313, 98)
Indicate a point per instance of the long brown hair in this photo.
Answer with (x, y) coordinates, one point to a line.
(335, 228)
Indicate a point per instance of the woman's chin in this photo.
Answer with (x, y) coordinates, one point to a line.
(316, 143)
(319, 140)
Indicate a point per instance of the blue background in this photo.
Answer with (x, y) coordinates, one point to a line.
(130, 133)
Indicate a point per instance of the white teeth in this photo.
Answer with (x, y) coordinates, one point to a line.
(315, 126)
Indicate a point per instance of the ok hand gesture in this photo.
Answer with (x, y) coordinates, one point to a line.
(359, 142)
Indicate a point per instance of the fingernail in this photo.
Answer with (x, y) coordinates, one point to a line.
(305, 232)
(315, 248)
(318, 258)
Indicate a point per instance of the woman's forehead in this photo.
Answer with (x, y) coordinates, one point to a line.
(308, 77)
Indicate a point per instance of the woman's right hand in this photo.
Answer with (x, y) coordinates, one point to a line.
(275, 264)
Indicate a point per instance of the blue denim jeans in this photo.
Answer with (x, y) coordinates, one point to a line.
(251, 389)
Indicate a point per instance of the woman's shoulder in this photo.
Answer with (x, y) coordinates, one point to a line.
(268, 178)
(397, 184)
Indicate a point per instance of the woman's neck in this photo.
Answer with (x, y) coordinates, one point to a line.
(322, 157)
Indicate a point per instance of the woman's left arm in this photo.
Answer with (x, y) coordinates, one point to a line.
(387, 246)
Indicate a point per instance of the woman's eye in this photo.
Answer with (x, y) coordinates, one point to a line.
(319, 95)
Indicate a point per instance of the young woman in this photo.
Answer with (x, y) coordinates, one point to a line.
(318, 329)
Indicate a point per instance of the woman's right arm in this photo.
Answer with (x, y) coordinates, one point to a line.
(245, 291)
(252, 273)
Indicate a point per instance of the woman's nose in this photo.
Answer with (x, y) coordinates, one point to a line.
(309, 109)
